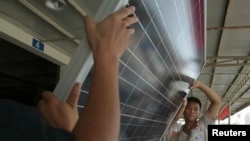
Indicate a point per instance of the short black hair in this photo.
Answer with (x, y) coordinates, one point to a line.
(194, 99)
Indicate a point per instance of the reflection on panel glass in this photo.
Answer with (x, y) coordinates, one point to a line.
(166, 55)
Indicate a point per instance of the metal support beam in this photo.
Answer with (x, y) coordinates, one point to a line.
(227, 28)
(237, 89)
(229, 112)
(227, 61)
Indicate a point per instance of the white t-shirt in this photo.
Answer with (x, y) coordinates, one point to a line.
(199, 133)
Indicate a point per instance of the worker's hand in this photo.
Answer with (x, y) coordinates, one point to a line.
(196, 84)
(58, 114)
(111, 36)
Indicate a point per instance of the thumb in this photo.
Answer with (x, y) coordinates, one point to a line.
(74, 95)
(192, 86)
(49, 97)
(90, 26)
(88, 22)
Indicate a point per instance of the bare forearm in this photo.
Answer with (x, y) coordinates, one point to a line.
(213, 97)
(101, 115)
(100, 119)
(210, 93)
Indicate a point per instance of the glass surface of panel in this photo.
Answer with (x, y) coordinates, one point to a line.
(166, 55)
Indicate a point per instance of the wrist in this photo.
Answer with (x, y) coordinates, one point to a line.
(105, 55)
(183, 106)
(104, 62)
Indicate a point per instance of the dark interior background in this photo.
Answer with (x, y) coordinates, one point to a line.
(23, 75)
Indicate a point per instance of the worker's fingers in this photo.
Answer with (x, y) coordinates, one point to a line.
(74, 95)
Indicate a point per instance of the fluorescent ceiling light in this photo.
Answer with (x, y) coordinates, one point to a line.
(55, 4)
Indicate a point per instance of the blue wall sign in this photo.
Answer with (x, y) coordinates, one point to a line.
(37, 44)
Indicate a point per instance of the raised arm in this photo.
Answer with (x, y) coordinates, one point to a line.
(100, 119)
(213, 97)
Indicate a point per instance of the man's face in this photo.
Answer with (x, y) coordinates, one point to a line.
(192, 111)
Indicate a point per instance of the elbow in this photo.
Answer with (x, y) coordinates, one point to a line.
(217, 101)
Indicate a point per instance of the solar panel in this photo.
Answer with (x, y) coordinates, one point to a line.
(166, 55)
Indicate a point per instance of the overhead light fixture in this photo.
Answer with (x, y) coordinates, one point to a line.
(57, 5)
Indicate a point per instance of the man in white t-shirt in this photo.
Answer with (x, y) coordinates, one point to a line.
(194, 129)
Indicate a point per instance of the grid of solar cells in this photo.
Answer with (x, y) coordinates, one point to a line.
(167, 53)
